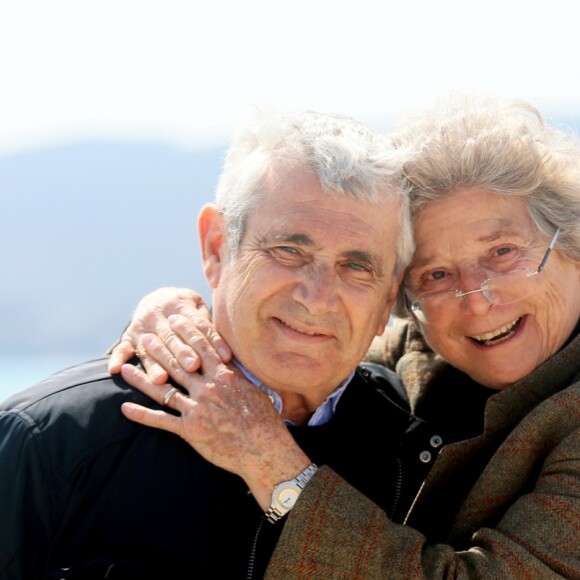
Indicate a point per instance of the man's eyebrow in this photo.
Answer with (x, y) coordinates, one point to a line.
(359, 256)
(298, 239)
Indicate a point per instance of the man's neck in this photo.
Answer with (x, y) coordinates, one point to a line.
(296, 408)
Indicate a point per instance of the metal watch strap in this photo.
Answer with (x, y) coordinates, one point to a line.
(276, 511)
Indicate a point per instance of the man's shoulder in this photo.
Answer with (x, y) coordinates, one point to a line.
(386, 381)
(81, 399)
(89, 380)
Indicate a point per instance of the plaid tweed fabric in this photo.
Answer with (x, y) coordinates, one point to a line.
(504, 504)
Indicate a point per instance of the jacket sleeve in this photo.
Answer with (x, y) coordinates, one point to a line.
(336, 532)
(24, 500)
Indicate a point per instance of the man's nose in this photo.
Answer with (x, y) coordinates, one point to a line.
(317, 289)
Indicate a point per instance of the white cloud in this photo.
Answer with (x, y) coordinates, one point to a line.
(186, 70)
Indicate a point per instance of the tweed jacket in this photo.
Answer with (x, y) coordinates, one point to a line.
(504, 503)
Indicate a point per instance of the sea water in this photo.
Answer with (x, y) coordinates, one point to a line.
(19, 371)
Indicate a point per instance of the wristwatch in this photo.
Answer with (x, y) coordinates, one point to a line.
(286, 493)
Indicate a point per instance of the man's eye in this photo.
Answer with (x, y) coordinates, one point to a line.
(286, 255)
(284, 250)
(359, 267)
(358, 271)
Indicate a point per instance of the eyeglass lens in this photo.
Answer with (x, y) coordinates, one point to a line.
(503, 289)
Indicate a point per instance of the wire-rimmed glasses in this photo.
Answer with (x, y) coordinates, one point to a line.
(504, 288)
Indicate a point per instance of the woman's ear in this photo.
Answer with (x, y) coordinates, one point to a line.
(213, 241)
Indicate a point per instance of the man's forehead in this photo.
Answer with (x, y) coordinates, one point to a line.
(301, 212)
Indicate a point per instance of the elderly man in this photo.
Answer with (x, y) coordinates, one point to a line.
(303, 249)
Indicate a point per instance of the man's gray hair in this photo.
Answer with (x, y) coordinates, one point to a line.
(347, 157)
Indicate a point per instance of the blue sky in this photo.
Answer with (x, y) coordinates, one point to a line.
(114, 82)
(184, 71)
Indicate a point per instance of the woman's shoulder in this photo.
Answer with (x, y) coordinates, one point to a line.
(401, 336)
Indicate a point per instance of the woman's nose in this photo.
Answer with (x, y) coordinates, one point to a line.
(476, 301)
(475, 296)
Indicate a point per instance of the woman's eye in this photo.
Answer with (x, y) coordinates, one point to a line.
(503, 251)
(428, 281)
(438, 275)
(435, 281)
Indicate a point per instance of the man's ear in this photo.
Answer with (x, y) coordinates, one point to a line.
(212, 237)
(389, 304)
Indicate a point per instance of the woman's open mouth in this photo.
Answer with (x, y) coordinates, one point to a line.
(498, 336)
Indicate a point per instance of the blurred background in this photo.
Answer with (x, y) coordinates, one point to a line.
(115, 116)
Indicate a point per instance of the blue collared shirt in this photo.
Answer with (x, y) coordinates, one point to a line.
(322, 415)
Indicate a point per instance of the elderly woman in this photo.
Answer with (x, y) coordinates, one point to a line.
(493, 291)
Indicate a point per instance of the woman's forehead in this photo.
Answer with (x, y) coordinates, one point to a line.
(471, 239)
(474, 214)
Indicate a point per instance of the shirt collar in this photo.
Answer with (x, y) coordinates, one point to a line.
(322, 415)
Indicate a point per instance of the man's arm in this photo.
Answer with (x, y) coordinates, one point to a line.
(24, 500)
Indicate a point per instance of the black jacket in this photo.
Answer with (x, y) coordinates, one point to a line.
(85, 493)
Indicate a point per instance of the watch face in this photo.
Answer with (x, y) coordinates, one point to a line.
(287, 497)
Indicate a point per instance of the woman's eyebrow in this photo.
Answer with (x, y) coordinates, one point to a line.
(499, 234)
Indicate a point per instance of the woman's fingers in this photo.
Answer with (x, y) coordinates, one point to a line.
(189, 327)
(142, 382)
(168, 351)
(132, 343)
(152, 418)
(195, 334)
(120, 354)
(164, 395)
(150, 316)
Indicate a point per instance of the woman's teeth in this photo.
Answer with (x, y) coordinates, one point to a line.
(499, 335)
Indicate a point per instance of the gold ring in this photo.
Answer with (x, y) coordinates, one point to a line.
(168, 396)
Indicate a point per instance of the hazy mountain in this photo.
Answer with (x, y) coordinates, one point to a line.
(87, 229)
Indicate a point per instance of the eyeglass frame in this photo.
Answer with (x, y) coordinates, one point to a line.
(483, 288)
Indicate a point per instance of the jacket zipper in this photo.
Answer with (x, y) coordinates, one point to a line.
(398, 488)
(252, 558)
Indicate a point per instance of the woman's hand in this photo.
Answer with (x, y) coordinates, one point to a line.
(225, 418)
(160, 338)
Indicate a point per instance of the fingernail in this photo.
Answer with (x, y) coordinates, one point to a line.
(223, 352)
(188, 363)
